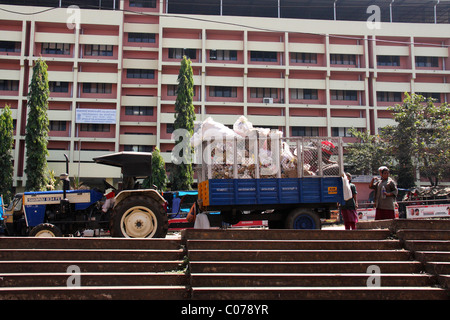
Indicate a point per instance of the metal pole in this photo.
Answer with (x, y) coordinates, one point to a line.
(390, 9)
(334, 8)
(435, 11)
(279, 9)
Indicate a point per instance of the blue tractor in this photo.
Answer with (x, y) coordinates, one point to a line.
(128, 212)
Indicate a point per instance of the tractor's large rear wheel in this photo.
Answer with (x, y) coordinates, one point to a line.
(139, 217)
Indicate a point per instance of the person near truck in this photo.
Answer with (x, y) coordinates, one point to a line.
(348, 210)
(385, 195)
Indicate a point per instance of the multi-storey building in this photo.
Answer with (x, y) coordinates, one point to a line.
(316, 70)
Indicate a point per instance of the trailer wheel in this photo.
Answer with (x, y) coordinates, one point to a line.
(302, 219)
(45, 230)
(139, 217)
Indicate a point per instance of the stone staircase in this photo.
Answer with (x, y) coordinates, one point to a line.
(91, 268)
(397, 261)
(305, 264)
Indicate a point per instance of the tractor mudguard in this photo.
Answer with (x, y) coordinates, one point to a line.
(141, 192)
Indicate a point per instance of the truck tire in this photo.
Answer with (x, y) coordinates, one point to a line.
(139, 217)
(45, 230)
(302, 219)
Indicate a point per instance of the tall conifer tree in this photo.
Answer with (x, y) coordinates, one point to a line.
(182, 173)
(36, 137)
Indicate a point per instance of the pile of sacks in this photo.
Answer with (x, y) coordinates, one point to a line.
(221, 154)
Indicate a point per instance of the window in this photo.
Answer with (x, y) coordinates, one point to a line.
(265, 56)
(9, 85)
(340, 132)
(433, 95)
(170, 127)
(98, 50)
(305, 131)
(349, 95)
(223, 55)
(56, 48)
(9, 46)
(389, 96)
(97, 87)
(345, 59)
(57, 86)
(137, 148)
(141, 37)
(172, 90)
(178, 53)
(429, 62)
(304, 94)
(303, 57)
(143, 3)
(57, 126)
(140, 74)
(391, 61)
(226, 92)
(138, 111)
(95, 127)
(264, 93)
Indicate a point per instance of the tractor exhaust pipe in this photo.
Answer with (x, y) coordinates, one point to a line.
(64, 177)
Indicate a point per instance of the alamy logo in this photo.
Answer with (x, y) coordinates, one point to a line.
(73, 21)
(74, 280)
(374, 21)
(375, 279)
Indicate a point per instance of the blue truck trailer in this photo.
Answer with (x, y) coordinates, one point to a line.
(291, 182)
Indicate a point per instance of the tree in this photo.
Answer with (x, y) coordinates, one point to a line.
(159, 175)
(6, 158)
(182, 173)
(420, 140)
(367, 154)
(36, 137)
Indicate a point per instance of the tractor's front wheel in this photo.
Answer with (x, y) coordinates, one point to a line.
(45, 230)
(139, 217)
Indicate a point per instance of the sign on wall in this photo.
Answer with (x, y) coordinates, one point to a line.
(423, 211)
(99, 116)
(368, 214)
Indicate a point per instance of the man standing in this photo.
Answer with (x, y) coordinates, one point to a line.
(348, 210)
(385, 195)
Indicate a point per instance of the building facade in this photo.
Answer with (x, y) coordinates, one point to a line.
(113, 73)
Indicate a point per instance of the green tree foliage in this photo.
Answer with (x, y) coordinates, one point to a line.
(159, 175)
(421, 139)
(182, 173)
(36, 137)
(6, 158)
(367, 154)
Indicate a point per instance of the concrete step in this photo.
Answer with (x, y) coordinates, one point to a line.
(319, 293)
(444, 281)
(294, 244)
(303, 266)
(400, 224)
(427, 245)
(90, 254)
(433, 256)
(95, 293)
(298, 255)
(423, 235)
(308, 280)
(41, 266)
(87, 243)
(437, 267)
(273, 234)
(93, 279)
